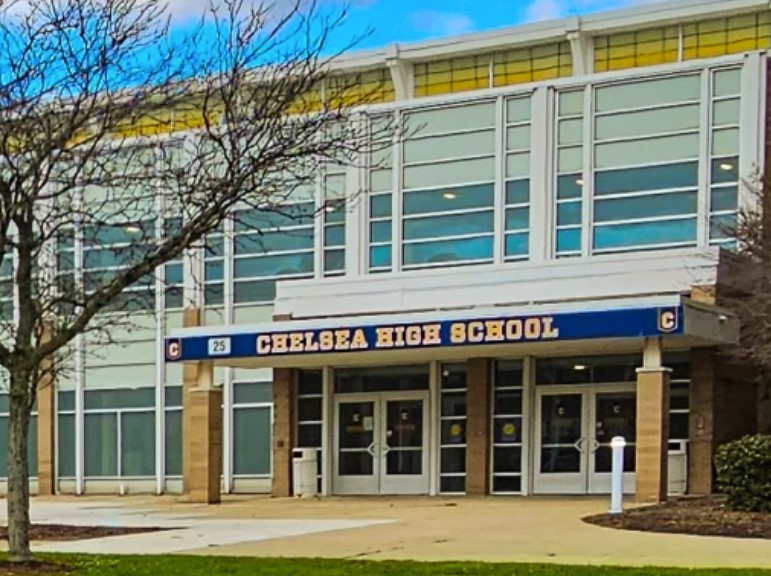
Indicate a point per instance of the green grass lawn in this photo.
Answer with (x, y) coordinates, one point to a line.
(217, 566)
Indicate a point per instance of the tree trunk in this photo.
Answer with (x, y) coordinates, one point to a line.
(18, 471)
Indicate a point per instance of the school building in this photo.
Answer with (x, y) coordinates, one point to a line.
(528, 274)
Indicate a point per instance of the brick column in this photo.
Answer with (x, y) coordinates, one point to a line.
(652, 434)
(478, 427)
(283, 430)
(46, 436)
(204, 445)
(201, 427)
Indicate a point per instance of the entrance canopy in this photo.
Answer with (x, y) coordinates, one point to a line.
(456, 334)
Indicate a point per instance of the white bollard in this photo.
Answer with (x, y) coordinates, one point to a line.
(617, 475)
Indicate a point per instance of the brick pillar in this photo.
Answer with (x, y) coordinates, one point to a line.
(283, 430)
(652, 434)
(204, 445)
(46, 436)
(701, 427)
(478, 427)
(201, 427)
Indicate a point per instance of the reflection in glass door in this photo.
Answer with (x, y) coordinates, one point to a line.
(404, 447)
(574, 431)
(615, 414)
(560, 456)
(356, 468)
(381, 444)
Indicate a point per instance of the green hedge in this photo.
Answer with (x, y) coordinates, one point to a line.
(744, 473)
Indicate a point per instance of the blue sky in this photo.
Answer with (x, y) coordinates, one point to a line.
(412, 20)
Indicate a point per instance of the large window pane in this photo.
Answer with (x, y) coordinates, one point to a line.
(647, 150)
(273, 265)
(648, 206)
(66, 445)
(259, 243)
(446, 199)
(137, 398)
(645, 234)
(449, 251)
(137, 434)
(101, 450)
(655, 121)
(252, 392)
(31, 447)
(252, 441)
(648, 93)
(455, 225)
(173, 443)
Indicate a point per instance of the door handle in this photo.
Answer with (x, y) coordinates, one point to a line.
(386, 449)
(579, 445)
(595, 445)
(372, 448)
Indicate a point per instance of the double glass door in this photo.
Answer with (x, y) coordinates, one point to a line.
(574, 430)
(381, 444)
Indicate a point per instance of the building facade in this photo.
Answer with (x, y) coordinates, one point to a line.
(524, 276)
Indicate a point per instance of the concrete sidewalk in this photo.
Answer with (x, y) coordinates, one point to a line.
(485, 529)
(433, 529)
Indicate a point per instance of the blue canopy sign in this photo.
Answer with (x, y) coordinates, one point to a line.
(559, 326)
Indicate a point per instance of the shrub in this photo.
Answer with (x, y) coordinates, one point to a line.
(744, 473)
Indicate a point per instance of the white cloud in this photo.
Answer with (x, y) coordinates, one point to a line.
(538, 10)
(438, 23)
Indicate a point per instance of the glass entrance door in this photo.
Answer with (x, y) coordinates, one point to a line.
(356, 469)
(614, 414)
(381, 444)
(574, 430)
(560, 455)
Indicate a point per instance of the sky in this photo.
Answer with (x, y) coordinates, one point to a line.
(413, 20)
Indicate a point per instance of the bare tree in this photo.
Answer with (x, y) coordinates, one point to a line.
(745, 284)
(124, 141)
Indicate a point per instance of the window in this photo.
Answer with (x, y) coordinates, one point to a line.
(508, 424)
(663, 45)
(6, 288)
(723, 36)
(454, 75)
(448, 197)
(310, 394)
(635, 49)
(369, 87)
(532, 64)
(452, 455)
(172, 412)
(31, 440)
(724, 156)
(268, 245)
(65, 442)
(110, 249)
(646, 150)
(569, 178)
(679, 403)
(252, 428)
(214, 268)
(333, 218)
(517, 194)
(173, 273)
(380, 201)
(119, 433)
(588, 370)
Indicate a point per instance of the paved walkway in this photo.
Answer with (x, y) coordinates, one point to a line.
(485, 529)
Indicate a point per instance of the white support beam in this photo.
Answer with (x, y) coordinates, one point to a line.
(582, 49)
(402, 74)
